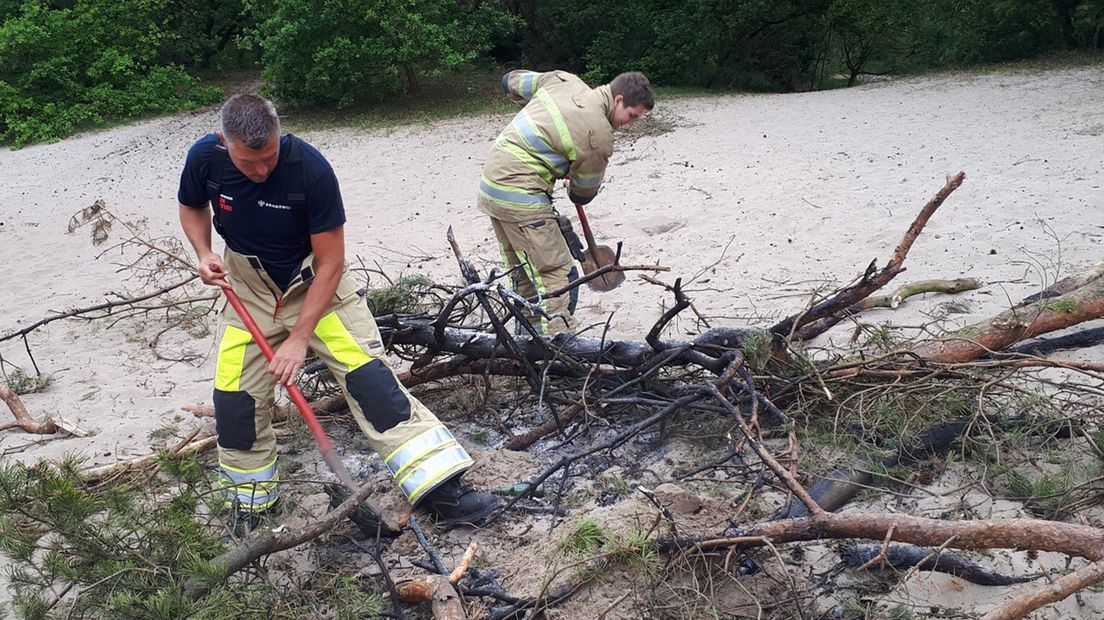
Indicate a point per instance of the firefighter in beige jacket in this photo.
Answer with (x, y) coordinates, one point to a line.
(565, 131)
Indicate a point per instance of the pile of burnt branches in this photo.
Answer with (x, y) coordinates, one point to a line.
(756, 384)
(761, 382)
(759, 379)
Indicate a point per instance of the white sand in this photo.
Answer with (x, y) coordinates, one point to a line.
(807, 188)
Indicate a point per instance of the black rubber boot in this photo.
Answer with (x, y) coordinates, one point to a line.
(456, 504)
(239, 524)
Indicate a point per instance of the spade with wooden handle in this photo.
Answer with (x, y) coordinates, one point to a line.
(597, 256)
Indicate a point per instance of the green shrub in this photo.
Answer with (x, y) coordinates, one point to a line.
(85, 64)
(130, 546)
(761, 44)
(798, 44)
(22, 383)
(341, 52)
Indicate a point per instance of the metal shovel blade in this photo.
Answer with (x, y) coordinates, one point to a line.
(595, 258)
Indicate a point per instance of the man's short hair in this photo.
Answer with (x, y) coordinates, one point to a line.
(635, 88)
(250, 120)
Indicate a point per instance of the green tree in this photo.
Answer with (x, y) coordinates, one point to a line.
(870, 36)
(1082, 22)
(85, 64)
(758, 44)
(963, 32)
(339, 52)
(206, 30)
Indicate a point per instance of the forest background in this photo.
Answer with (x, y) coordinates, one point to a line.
(67, 65)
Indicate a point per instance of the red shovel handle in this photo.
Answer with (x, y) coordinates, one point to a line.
(320, 438)
(591, 245)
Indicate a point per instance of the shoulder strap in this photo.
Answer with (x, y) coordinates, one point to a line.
(216, 168)
(295, 175)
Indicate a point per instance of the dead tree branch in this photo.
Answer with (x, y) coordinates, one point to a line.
(872, 280)
(266, 541)
(26, 423)
(1020, 534)
(1043, 595)
(893, 300)
(106, 306)
(1016, 324)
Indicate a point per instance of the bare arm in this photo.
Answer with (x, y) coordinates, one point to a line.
(329, 263)
(196, 223)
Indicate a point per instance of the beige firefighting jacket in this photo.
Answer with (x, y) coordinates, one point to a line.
(564, 131)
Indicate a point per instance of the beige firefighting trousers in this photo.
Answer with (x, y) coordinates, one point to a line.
(417, 448)
(538, 246)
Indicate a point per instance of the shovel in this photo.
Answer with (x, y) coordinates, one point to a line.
(597, 256)
(389, 522)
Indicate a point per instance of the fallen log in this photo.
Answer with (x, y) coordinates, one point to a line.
(1045, 346)
(1043, 595)
(1016, 324)
(196, 446)
(1082, 541)
(1067, 284)
(843, 483)
(903, 557)
(266, 541)
(472, 343)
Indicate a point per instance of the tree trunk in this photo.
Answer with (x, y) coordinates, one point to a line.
(1016, 324)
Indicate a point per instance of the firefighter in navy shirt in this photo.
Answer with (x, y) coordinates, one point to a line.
(276, 203)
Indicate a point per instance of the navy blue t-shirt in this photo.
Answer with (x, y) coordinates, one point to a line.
(256, 218)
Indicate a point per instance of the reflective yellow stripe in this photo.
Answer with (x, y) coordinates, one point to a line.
(586, 181)
(538, 283)
(527, 158)
(231, 359)
(525, 87)
(264, 472)
(413, 450)
(433, 470)
(251, 499)
(340, 342)
(558, 121)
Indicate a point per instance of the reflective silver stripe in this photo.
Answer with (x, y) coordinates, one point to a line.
(515, 197)
(586, 181)
(250, 490)
(240, 477)
(537, 144)
(416, 448)
(525, 89)
(432, 470)
(255, 498)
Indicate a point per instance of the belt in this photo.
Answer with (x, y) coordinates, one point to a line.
(306, 274)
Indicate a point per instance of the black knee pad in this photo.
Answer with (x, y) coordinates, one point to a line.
(235, 422)
(377, 392)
